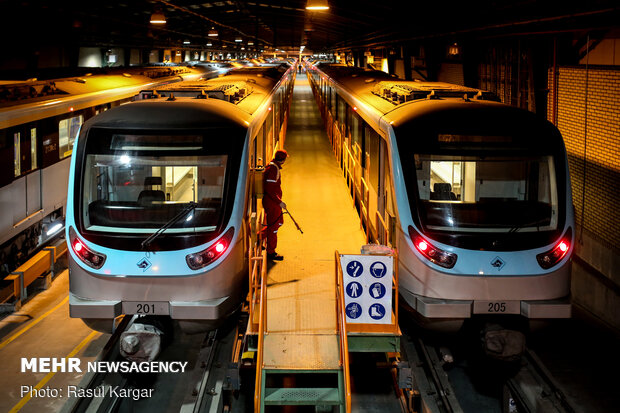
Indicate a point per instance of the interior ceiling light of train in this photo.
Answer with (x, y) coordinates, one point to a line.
(283, 24)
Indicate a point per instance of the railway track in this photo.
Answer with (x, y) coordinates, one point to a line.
(204, 386)
(529, 389)
(534, 390)
(432, 389)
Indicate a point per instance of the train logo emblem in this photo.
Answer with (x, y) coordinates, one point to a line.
(353, 310)
(378, 269)
(354, 289)
(498, 263)
(144, 264)
(355, 269)
(376, 311)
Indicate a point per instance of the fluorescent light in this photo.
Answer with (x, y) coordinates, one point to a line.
(317, 5)
(158, 18)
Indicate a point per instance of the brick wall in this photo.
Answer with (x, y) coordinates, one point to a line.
(591, 126)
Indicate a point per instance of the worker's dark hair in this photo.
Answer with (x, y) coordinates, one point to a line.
(280, 155)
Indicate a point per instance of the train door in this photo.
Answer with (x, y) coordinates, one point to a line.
(386, 212)
(373, 161)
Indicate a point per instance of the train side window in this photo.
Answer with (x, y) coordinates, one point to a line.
(342, 110)
(17, 153)
(67, 132)
(6, 153)
(33, 148)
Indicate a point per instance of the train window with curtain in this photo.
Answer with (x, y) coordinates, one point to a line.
(342, 111)
(67, 132)
(17, 153)
(33, 148)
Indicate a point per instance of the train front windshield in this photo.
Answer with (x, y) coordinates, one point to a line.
(470, 187)
(136, 183)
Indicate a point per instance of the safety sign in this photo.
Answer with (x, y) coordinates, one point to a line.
(367, 282)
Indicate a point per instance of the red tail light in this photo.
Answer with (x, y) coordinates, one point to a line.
(430, 252)
(552, 257)
(201, 259)
(89, 257)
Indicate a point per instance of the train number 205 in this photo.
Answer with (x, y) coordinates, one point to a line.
(497, 307)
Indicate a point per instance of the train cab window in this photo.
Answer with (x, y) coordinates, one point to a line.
(469, 193)
(137, 183)
(67, 132)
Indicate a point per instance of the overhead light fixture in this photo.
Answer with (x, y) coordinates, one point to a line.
(158, 18)
(317, 5)
(209, 44)
(186, 42)
(238, 39)
(250, 43)
(212, 32)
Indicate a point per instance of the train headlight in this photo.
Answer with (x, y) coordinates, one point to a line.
(201, 259)
(552, 257)
(430, 252)
(89, 257)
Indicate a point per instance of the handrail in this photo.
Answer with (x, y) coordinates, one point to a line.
(385, 229)
(344, 340)
(262, 322)
(254, 259)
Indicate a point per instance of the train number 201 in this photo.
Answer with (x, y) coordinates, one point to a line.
(497, 307)
(145, 308)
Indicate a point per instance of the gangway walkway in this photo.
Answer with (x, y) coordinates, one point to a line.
(302, 325)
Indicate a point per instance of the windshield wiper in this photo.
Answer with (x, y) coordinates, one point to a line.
(188, 208)
(536, 223)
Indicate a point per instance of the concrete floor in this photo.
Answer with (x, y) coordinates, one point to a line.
(301, 315)
(42, 328)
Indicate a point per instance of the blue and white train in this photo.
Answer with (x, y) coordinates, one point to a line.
(160, 198)
(474, 194)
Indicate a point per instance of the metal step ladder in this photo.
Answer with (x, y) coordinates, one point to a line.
(302, 368)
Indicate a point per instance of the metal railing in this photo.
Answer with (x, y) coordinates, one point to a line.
(262, 329)
(342, 331)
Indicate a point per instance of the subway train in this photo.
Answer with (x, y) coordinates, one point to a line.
(473, 193)
(39, 120)
(160, 198)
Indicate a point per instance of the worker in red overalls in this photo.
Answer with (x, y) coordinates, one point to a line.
(272, 203)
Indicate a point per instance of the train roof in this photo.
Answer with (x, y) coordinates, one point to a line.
(246, 88)
(21, 92)
(167, 115)
(32, 100)
(400, 100)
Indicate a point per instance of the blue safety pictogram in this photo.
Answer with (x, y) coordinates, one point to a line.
(377, 290)
(376, 311)
(378, 269)
(355, 269)
(353, 310)
(354, 289)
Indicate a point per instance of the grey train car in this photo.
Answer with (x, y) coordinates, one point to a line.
(39, 120)
(474, 194)
(160, 198)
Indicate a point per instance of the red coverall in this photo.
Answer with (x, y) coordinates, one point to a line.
(272, 197)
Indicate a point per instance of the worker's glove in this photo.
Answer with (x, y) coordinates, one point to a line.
(282, 205)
